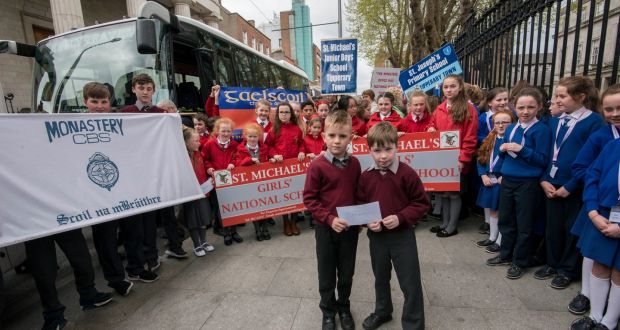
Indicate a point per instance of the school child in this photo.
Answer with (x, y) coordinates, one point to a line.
(526, 153)
(198, 212)
(348, 104)
(574, 96)
(322, 109)
(455, 113)
(308, 112)
(386, 112)
(331, 181)
(397, 100)
(363, 110)
(249, 152)
(403, 202)
(313, 141)
(141, 230)
(97, 100)
(200, 125)
(369, 95)
(212, 105)
(285, 140)
(489, 164)
(600, 239)
(496, 100)
(300, 119)
(219, 154)
(143, 86)
(580, 304)
(419, 114)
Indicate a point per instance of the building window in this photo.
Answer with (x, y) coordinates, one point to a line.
(260, 47)
(599, 7)
(245, 37)
(254, 42)
(267, 51)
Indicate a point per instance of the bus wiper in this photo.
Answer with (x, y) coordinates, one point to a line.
(64, 80)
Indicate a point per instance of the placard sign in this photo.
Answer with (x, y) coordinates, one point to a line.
(338, 66)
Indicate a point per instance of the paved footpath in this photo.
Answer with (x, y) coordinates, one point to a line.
(273, 285)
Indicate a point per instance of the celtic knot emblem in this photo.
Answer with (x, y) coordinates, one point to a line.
(102, 171)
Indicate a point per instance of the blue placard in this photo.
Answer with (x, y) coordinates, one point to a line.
(339, 66)
(246, 97)
(431, 70)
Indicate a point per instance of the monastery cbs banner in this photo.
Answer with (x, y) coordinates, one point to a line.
(267, 190)
(60, 172)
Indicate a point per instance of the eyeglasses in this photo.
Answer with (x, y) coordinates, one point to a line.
(284, 112)
(501, 123)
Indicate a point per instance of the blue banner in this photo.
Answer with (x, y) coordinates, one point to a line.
(431, 70)
(339, 66)
(245, 98)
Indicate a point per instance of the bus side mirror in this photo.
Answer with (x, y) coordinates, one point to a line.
(146, 37)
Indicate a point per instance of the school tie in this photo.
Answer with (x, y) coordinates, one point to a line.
(145, 108)
(563, 129)
(263, 123)
(340, 163)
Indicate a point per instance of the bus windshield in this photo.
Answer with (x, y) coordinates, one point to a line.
(106, 54)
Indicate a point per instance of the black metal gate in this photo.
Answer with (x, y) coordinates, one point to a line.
(528, 40)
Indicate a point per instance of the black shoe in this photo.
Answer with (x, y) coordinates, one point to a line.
(484, 228)
(560, 282)
(485, 242)
(123, 287)
(145, 276)
(373, 321)
(544, 272)
(177, 253)
(346, 321)
(514, 272)
(236, 237)
(498, 261)
(579, 305)
(266, 235)
(329, 323)
(583, 323)
(55, 323)
(493, 248)
(600, 326)
(153, 265)
(436, 229)
(227, 239)
(259, 235)
(100, 299)
(444, 233)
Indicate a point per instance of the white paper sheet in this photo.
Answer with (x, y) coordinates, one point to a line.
(360, 214)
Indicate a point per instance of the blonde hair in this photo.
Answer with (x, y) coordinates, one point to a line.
(219, 122)
(338, 118)
(420, 93)
(252, 127)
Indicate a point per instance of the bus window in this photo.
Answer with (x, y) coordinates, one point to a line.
(225, 72)
(286, 78)
(187, 78)
(262, 73)
(275, 71)
(244, 69)
(207, 70)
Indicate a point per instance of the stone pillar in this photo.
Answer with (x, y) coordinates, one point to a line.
(133, 6)
(66, 15)
(213, 21)
(181, 8)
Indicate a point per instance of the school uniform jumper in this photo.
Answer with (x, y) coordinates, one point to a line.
(520, 192)
(601, 194)
(399, 192)
(413, 124)
(244, 154)
(330, 183)
(393, 118)
(358, 126)
(288, 143)
(570, 132)
(586, 156)
(485, 125)
(197, 213)
(218, 158)
(488, 197)
(211, 109)
(313, 144)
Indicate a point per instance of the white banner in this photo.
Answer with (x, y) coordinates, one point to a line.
(62, 172)
(382, 78)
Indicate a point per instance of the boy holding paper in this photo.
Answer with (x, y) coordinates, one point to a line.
(331, 181)
(399, 191)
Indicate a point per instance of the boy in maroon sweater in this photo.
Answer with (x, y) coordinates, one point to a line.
(399, 191)
(143, 86)
(331, 181)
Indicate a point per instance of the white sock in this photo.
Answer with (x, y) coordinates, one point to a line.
(498, 241)
(493, 228)
(586, 270)
(610, 320)
(487, 215)
(598, 296)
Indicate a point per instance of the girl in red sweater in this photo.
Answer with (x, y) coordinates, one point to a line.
(313, 141)
(386, 112)
(219, 154)
(455, 113)
(198, 212)
(348, 104)
(285, 140)
(418, 113)
(249, 152)
(212, 106)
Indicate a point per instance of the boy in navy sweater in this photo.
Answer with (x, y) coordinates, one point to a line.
(331, 181)
(403, 202)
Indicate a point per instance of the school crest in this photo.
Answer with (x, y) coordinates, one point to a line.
(222, 178)
(449, 139)
(102, 171)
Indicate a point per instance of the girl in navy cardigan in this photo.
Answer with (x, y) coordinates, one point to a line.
(574, 97)
(489, 163)
(590, 151)
(526, 153)
(600, 238)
